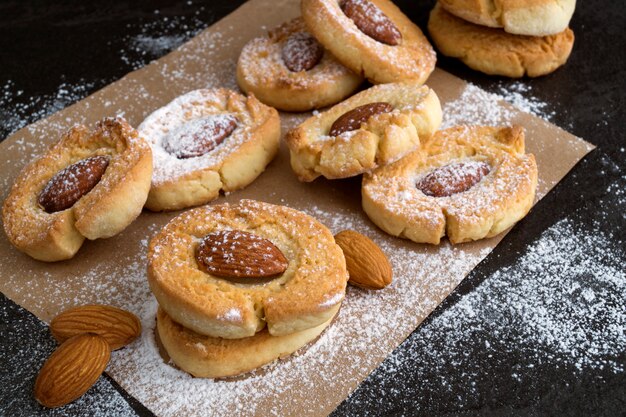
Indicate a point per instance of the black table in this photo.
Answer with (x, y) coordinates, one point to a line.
(555, 345)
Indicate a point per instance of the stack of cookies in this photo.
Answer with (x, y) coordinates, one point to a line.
(237, 289)
(504, 37)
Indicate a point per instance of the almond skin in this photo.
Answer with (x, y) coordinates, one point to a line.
(71, 370)
(367, 265)
(71, 183)
(200, 136)
(372, 21)
(301, 52)
(453, 178)
(118, 327)
(238, 254)
(354, 118)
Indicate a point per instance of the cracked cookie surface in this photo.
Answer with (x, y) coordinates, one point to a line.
(408, 112)
(466, 182)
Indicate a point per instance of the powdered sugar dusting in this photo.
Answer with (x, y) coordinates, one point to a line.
(560, 306)
(365, 327)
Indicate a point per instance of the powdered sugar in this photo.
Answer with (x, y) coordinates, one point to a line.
(363, 329)
(560, 307)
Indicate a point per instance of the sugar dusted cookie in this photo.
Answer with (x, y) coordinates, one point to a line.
(495, 52)
(466, 182)
(519, 17)
(229, 271)
(371, 37)
(88, 185)
(290, 70)
(372, 128)
(206, 141)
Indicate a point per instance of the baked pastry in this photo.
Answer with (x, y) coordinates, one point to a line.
(466, 182)
(290, 70)
(206, 141)
(214, 357)
(87, 185)
(371, 37)
(372, 128)
(519, 17)
(229, 270)
(495, 52)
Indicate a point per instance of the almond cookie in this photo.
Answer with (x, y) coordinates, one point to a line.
(372, 128)
(229, 270)
(88, 185)
(495, 52)
(371, 37)
(214, 357)
(290, 70)
(519, 17)
(206, 141)
(466, 182)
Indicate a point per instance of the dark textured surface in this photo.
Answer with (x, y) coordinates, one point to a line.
(53, 54)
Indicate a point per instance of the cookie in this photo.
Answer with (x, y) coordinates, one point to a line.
(370, 129)
(290, 70)
(208, 141)
(495, 52)
(466, 182)
(87, 185)
(230, 270)
(519, 17)
(371, 37)
(213, 357)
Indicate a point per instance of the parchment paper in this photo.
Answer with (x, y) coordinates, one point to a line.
(112, 271)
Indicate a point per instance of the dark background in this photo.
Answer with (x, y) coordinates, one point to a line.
(55, 53)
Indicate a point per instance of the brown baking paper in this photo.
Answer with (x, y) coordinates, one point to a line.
(370, 324)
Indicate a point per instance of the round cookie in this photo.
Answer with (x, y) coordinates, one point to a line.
(290, 70)
(303, 296)
(466, 182)
(406, 113)
(87, 185)
(206, 141)
(519, 17)
(377, 40)
(495, 52)
(214, 357)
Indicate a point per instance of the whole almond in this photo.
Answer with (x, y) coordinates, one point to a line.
(118, 327)
(238, 254)
(199, 136)
(367, 265)
(453, 178)
(71, 370)
(301, 52)
(67, 186)
(354, 118)
(372, 21)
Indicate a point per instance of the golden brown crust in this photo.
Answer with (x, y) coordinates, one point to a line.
(239, 160)
(106, 210)
(393, 202)
(212, 357)
(382, 139)
(261, 71)
(496, 52)
(300, 298)
(413, 59)
(519, 17)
